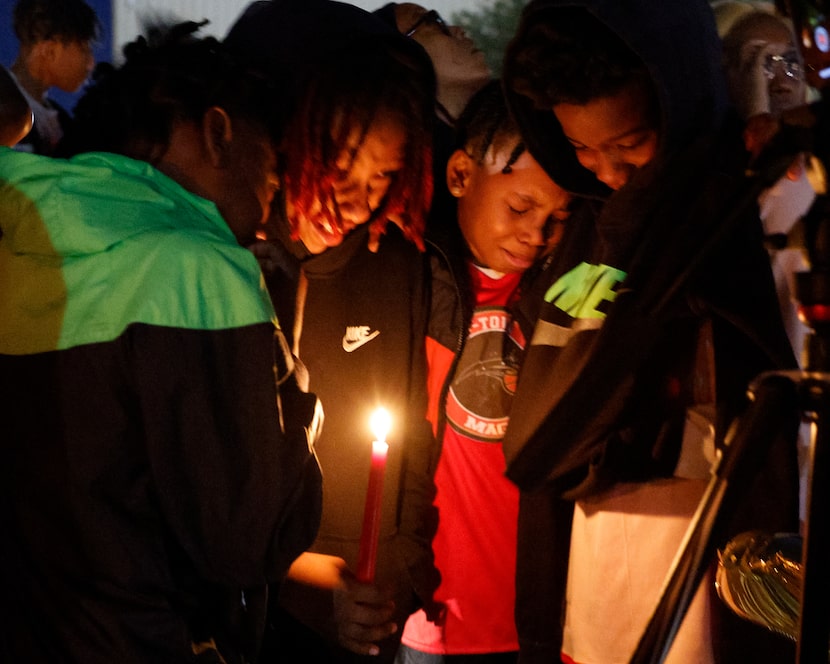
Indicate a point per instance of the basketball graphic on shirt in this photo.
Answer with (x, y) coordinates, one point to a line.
(479, 399)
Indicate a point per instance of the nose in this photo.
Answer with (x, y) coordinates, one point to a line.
(355, 203)
(611, 170)
(532, 231)
(779, 73)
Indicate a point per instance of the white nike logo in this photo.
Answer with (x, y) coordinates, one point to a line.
(356, 336)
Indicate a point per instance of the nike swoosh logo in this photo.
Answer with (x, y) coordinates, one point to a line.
(351, 345)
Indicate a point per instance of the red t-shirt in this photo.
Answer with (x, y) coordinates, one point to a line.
(475, 546)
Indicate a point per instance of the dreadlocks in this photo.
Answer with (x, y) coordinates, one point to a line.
(373, 79)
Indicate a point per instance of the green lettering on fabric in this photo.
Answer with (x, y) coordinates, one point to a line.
(581, 292)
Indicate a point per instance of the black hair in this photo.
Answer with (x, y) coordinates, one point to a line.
(66, 20)
(485, 122)
(387, 14)
(568, 56)
(170, 76)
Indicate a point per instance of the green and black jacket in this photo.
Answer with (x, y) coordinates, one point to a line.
(154, 477)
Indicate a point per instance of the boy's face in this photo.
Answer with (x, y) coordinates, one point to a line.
(248, 180)
(612, 136)
(367, 167)
(71, 63)
(508, 219)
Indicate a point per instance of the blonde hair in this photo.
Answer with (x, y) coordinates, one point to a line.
(727, 12)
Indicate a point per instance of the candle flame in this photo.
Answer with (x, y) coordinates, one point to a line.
(380, 423)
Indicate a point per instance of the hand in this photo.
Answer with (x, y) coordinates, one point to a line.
(322, 592)
(362, 614)
(758, 132)
(797, 168)
(752, 86)
(267, 254)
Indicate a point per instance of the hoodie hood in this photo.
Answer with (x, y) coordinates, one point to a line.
(680, 243)
(690, 86)
(293, 37)
(100, 242)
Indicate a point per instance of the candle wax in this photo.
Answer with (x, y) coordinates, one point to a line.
(371, 513)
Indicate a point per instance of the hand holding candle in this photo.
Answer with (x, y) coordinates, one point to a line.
(379, 423)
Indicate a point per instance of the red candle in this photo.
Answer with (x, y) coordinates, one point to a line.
(374, 493)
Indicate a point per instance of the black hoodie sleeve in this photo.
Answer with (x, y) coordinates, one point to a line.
(235, 474)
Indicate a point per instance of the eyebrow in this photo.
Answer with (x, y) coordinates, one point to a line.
(618, 137)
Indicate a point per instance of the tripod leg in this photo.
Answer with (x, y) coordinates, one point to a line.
(814, 623)
(774, 411)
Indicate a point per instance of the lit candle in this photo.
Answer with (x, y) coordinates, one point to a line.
(379, 423)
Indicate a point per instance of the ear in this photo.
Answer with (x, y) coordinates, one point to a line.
(459, 171)
(217, 133)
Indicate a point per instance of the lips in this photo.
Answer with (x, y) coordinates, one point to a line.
(328, 234)
(519, 261)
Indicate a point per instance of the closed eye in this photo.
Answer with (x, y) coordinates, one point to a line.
(634, 144)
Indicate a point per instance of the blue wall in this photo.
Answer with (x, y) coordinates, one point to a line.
(102, 48)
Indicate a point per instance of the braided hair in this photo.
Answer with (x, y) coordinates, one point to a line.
(486, 122)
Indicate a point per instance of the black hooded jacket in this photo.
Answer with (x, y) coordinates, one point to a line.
(609, 375)
(349, 290)
(684, 236)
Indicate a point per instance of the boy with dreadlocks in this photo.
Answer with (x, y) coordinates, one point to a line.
(350, 289)
(509, 213)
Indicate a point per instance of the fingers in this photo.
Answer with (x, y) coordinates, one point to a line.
(752, 53)
(363, 615)
(366, 627)
(266, 254)
(750, 81)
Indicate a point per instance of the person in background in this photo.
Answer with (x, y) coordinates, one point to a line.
(460, 67)
(461, 70)
(509, 213)
(764, 67)
(158, 455)
(55, 51)
(659, 314)
(766, 77)
(344, 259)
(726, 12)
(15, 113)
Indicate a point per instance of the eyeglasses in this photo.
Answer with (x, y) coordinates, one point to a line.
(431, 17)
(789, 64)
